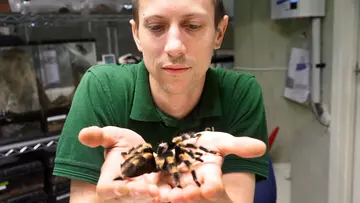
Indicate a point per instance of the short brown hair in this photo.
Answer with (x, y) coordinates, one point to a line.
(218, 5)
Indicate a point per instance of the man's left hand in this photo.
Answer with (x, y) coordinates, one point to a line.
(209, 172)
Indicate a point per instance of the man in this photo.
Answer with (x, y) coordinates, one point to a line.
(171, 91)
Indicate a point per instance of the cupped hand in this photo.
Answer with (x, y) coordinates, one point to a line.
(209, 172)
(116, 140)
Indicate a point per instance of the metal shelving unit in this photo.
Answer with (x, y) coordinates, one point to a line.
(17, 18)
(28, 22)
(28, 146)
(54, 19)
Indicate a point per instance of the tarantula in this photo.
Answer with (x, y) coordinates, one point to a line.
(142, 159)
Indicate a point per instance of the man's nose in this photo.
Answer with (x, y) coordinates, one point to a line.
(174, 45)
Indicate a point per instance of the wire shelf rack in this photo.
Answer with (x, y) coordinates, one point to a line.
(43, 18)
(28, 146)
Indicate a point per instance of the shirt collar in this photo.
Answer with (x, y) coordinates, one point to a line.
(144, 108)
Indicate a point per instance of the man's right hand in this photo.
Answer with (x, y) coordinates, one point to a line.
(116, 140)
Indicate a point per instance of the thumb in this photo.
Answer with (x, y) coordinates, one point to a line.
(245, 147)
(109, 137)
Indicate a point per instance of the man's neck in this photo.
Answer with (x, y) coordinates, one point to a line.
(176, 105)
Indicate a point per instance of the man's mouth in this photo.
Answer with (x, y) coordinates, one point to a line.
(175, 68)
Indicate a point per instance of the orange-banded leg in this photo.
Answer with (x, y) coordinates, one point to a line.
(173, 169)
(179, 140)
(186, 159)
(191, 154)
(193, 146)
(185, 136)
(142, 148)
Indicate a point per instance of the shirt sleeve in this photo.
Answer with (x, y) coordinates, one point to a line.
(247, 118)
(90, 107)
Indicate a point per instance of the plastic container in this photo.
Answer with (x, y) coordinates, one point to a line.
(57, 188)
(20, 110)
(36, 196)
(19, 180)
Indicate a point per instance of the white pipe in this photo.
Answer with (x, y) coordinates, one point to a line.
(315, 52)
(315, 91)
(261, 69)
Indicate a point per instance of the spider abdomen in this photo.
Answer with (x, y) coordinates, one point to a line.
(139, 164)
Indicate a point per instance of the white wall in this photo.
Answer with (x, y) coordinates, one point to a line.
(263, 43)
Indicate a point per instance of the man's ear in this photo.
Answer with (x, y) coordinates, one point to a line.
(220, 32)
(135, 33)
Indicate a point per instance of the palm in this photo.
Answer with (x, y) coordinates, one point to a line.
(208, 173)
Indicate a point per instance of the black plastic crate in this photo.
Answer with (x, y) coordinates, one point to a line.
(36, 196)
(57, 188)
(60, 198)
(19, 178)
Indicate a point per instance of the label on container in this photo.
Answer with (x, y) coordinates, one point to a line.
(3, 185)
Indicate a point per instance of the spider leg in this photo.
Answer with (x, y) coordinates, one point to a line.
(199, 153)
(185, 136)
(188, 164)
(199, 159)
(134, 149)
(172, 168)
(137, 150)
(208, 151)
(125, 154)
(192, 154)
(193, 146)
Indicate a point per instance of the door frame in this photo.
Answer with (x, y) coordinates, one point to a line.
(342, 128)
(356, 167)
(356, 162)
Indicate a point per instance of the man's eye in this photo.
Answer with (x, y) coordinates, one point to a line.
(155, 27)
(193, 27)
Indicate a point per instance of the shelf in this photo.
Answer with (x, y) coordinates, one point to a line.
(48, 18)
(28, 146)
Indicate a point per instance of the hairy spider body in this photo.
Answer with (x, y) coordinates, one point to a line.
(142, 159)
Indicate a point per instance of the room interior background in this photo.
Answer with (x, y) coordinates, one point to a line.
(261, 46)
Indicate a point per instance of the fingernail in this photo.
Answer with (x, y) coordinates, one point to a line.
(120, 191)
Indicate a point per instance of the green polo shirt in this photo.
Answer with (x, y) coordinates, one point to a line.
(119, 95)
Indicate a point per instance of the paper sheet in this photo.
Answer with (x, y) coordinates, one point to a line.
(50, 67)
(297, 80)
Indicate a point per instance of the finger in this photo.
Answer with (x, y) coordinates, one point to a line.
(192, 192)
(139, 189)
(152, 179)
(176, 195)
(167, 178)
(91, 136)
(155, 200)
(109, 137)
(164, 190)
(245, 147)
(107, 188)
(212, 187)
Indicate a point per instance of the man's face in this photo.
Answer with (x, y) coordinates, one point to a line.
(177, 39)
